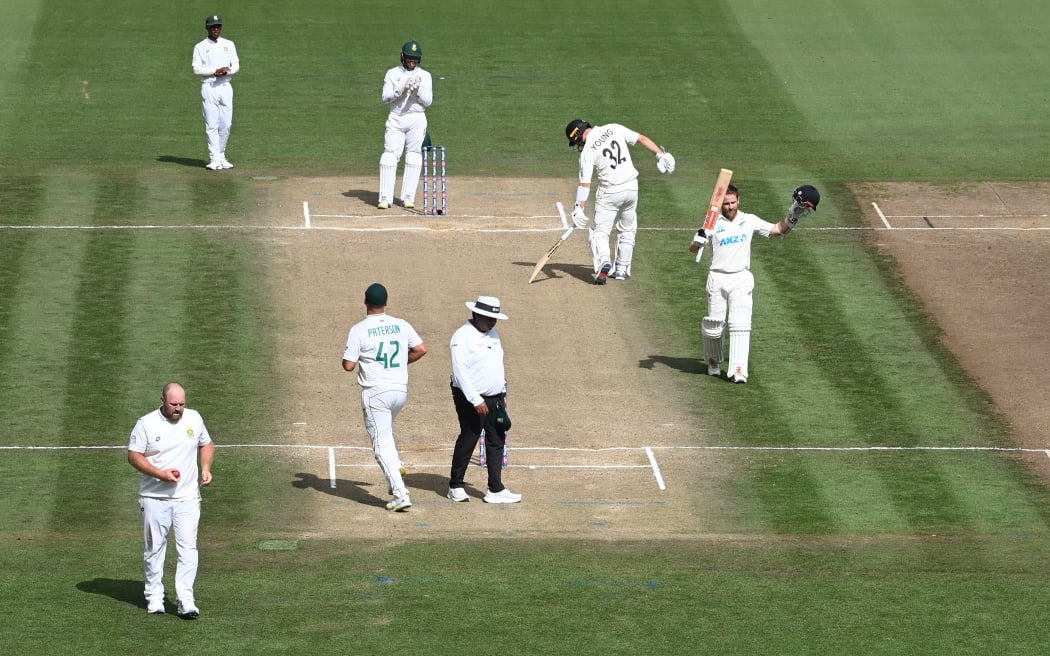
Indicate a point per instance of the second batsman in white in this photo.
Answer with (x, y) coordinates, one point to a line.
(730, 282)
(605, 149)
(409, 90)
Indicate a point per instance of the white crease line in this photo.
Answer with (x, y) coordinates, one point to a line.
(306, 213)
(881, 215)
(331, 467)
(1002, 449)
(656, 468)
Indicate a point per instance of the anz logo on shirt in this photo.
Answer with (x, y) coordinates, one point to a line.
(732, 239)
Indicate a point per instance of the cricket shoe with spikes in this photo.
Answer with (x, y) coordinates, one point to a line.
(603, 274)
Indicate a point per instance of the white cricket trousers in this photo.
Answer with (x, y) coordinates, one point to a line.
(733, 292)
(217, 100)
(617, 209)
(404, 134)
(159, 517)
(381, 407)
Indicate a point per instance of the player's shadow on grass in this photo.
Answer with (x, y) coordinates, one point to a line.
(125, 590)
(556, 270)
(357, 491)
(182, 161)
(685, 365)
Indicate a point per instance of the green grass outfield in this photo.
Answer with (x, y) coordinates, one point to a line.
(911, 551)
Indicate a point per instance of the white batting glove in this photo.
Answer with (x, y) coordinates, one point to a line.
(579, 219)
(700, 238)
(665, 163)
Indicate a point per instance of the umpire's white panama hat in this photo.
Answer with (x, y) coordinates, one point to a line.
(487, 306)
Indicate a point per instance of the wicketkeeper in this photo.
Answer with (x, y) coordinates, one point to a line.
(730, 283)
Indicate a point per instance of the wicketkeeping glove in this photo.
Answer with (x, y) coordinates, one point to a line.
(412, 84)
(665, 163)
(579, 219)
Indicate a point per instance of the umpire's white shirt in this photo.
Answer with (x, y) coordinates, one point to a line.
(170, 445)
(477, 363)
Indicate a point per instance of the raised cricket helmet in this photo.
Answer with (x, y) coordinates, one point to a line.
(807, 196)
(412, 49)
(574, 131)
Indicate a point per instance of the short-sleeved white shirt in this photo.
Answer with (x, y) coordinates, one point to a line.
(731, 242)
(379, 345)
(608, 152)
(170, 445)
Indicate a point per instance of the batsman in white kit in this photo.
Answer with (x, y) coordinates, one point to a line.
(380, 348)
(164, 447)
(409, 90)
(730, 282)
(215, 62)
(605, 149)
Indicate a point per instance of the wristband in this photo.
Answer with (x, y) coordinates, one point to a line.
(582, 193)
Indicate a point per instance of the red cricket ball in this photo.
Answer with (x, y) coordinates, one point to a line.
(176, 474)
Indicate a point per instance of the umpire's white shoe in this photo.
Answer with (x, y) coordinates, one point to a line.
(213, 166)
(458, 494)
(188, 609)
(155, 606)
(225, 164)
(714, 368)
(503, 496)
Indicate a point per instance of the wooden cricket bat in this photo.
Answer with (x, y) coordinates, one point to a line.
(715, 206)
(547, 257)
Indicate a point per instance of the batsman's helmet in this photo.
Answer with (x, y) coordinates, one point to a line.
(411, 49)
(807, 196)
(574, 131)
(212, 20)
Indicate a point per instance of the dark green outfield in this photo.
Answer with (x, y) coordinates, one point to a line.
(903, 551)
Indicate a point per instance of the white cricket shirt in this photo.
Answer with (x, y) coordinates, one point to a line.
(379, 345)
(209, 56)
(170, 446)
(607, 152)
(731, 243)
(410, 102)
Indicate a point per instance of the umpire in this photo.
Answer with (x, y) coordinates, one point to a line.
(478, 384)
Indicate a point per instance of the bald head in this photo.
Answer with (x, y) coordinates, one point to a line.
(173, 401)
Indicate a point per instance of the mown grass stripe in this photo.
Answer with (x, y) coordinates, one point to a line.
(95, 389)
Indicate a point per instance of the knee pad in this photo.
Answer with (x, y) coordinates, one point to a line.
(414, 160)
(739, 319)
(389, 159)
